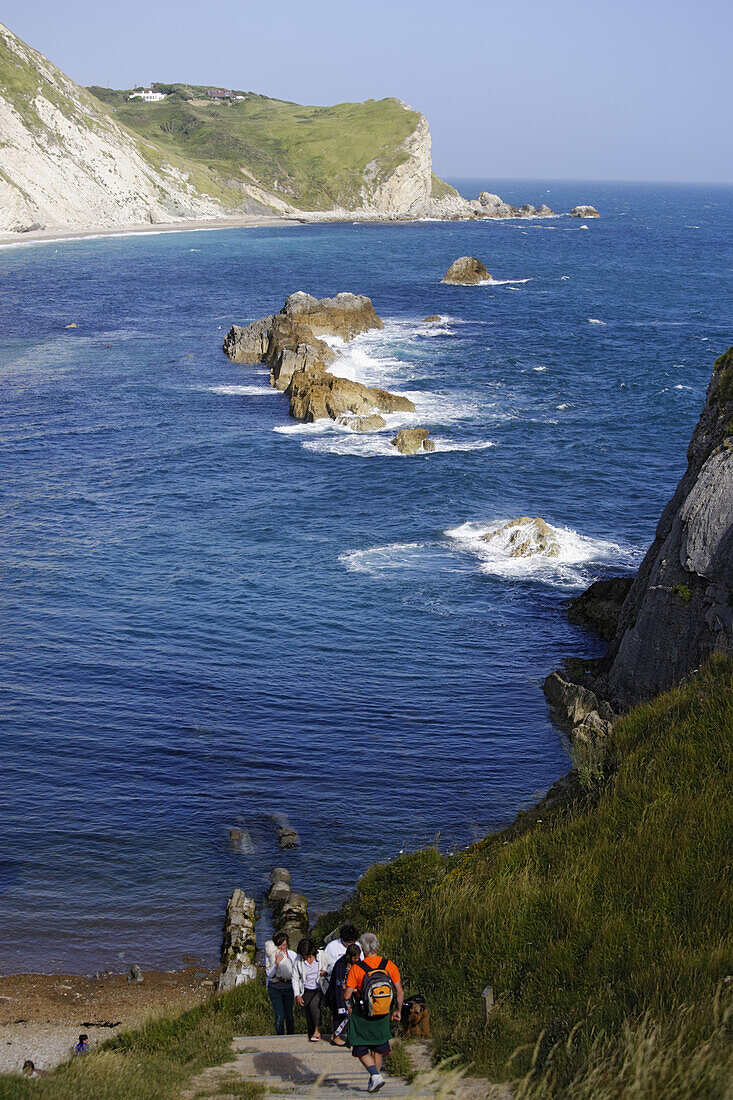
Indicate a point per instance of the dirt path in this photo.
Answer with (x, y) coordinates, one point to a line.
(290, 1067)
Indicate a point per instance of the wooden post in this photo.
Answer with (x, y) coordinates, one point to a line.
(488, 999)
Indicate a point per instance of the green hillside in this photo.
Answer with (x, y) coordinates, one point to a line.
(314, 157)
(603, 922)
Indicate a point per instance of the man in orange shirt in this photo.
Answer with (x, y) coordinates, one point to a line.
(374, 993)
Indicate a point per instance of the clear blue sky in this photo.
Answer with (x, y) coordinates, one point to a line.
(607, 89)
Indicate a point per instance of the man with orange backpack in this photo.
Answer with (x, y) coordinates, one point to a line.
(374, 993)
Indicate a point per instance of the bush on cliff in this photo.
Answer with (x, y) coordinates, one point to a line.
(603, 923)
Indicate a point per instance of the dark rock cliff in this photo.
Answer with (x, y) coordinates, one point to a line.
(679, 609)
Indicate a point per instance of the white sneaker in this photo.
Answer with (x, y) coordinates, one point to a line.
(376, 1082)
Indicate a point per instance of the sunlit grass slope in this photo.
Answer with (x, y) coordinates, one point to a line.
(602, 923)
(314, 157)
(156, 1061)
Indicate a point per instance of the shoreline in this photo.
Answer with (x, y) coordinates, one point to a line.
(42, 1015)
(183, 225)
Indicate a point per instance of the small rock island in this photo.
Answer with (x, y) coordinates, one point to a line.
(291, 344)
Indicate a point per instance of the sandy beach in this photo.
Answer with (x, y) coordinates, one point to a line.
(48, 236)
(42, 1015)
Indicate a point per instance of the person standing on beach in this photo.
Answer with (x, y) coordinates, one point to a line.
(374, 988)
(279, 970)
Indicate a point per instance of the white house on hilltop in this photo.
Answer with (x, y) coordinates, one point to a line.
(147, 95)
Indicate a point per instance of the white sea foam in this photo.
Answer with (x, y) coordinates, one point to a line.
(450, 445)
(564, 405)
(564, 570)
(244, 391)
(679, 386)
(595, 321)
(564, 277)
(501, 282)
(539, 369)
(378, 559)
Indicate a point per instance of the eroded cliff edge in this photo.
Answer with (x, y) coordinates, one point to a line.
(679, 608)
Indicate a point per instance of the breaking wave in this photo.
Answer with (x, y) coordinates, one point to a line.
(565, 569)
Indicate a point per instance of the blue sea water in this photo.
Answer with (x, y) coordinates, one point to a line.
(214, 617)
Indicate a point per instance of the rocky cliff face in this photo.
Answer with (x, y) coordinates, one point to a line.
(65, 163)
(679, 609)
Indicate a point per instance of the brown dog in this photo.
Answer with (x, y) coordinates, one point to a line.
(416, 1018)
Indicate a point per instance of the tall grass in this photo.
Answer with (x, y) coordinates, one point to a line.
(604, 929)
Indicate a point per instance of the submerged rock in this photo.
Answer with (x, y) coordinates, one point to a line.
(584, 212)
(372, 423)
(466, 271)
(409, 441)
(527, 537)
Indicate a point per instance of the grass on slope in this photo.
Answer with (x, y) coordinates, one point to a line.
(314, 157)
(157, 1060)
(604, 926)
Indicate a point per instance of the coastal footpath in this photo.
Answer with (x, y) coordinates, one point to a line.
(94, 160)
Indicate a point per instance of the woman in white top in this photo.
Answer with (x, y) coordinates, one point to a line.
(309, 982)
(279, 964)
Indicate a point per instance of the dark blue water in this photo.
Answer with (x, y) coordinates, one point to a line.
(210, 619)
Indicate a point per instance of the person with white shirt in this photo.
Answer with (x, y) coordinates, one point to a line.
(309, 985)
(279, 962)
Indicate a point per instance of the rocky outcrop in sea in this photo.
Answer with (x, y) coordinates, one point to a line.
(466, 271)
(679, 608)
(291, 343)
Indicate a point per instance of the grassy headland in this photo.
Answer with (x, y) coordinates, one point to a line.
(603, 922)
(314, 157)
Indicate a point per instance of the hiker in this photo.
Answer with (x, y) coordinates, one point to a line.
(336, 949)
(279, 960)
(374, 988)
(309, 981)
(335, 993)
(82, 1047)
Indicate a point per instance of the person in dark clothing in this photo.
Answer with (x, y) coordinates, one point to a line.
(335, 993)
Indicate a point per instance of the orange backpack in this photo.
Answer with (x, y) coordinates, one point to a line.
(378, 991)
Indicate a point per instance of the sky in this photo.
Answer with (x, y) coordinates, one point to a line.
(513, 89)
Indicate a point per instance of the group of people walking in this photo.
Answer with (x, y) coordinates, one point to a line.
(362, 990)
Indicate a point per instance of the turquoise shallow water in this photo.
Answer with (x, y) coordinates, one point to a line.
(213, 616)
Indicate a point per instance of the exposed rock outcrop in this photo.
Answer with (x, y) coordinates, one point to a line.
(291, 917)
(248, 345)
(600, 605)
(584, 212)
(579, 709)
(239, 943)
(279, 890)
(526, 537)
(287, 837)
(466, 271)
(315, 395)
(409, 441)
(679, 608)
(291, 343)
